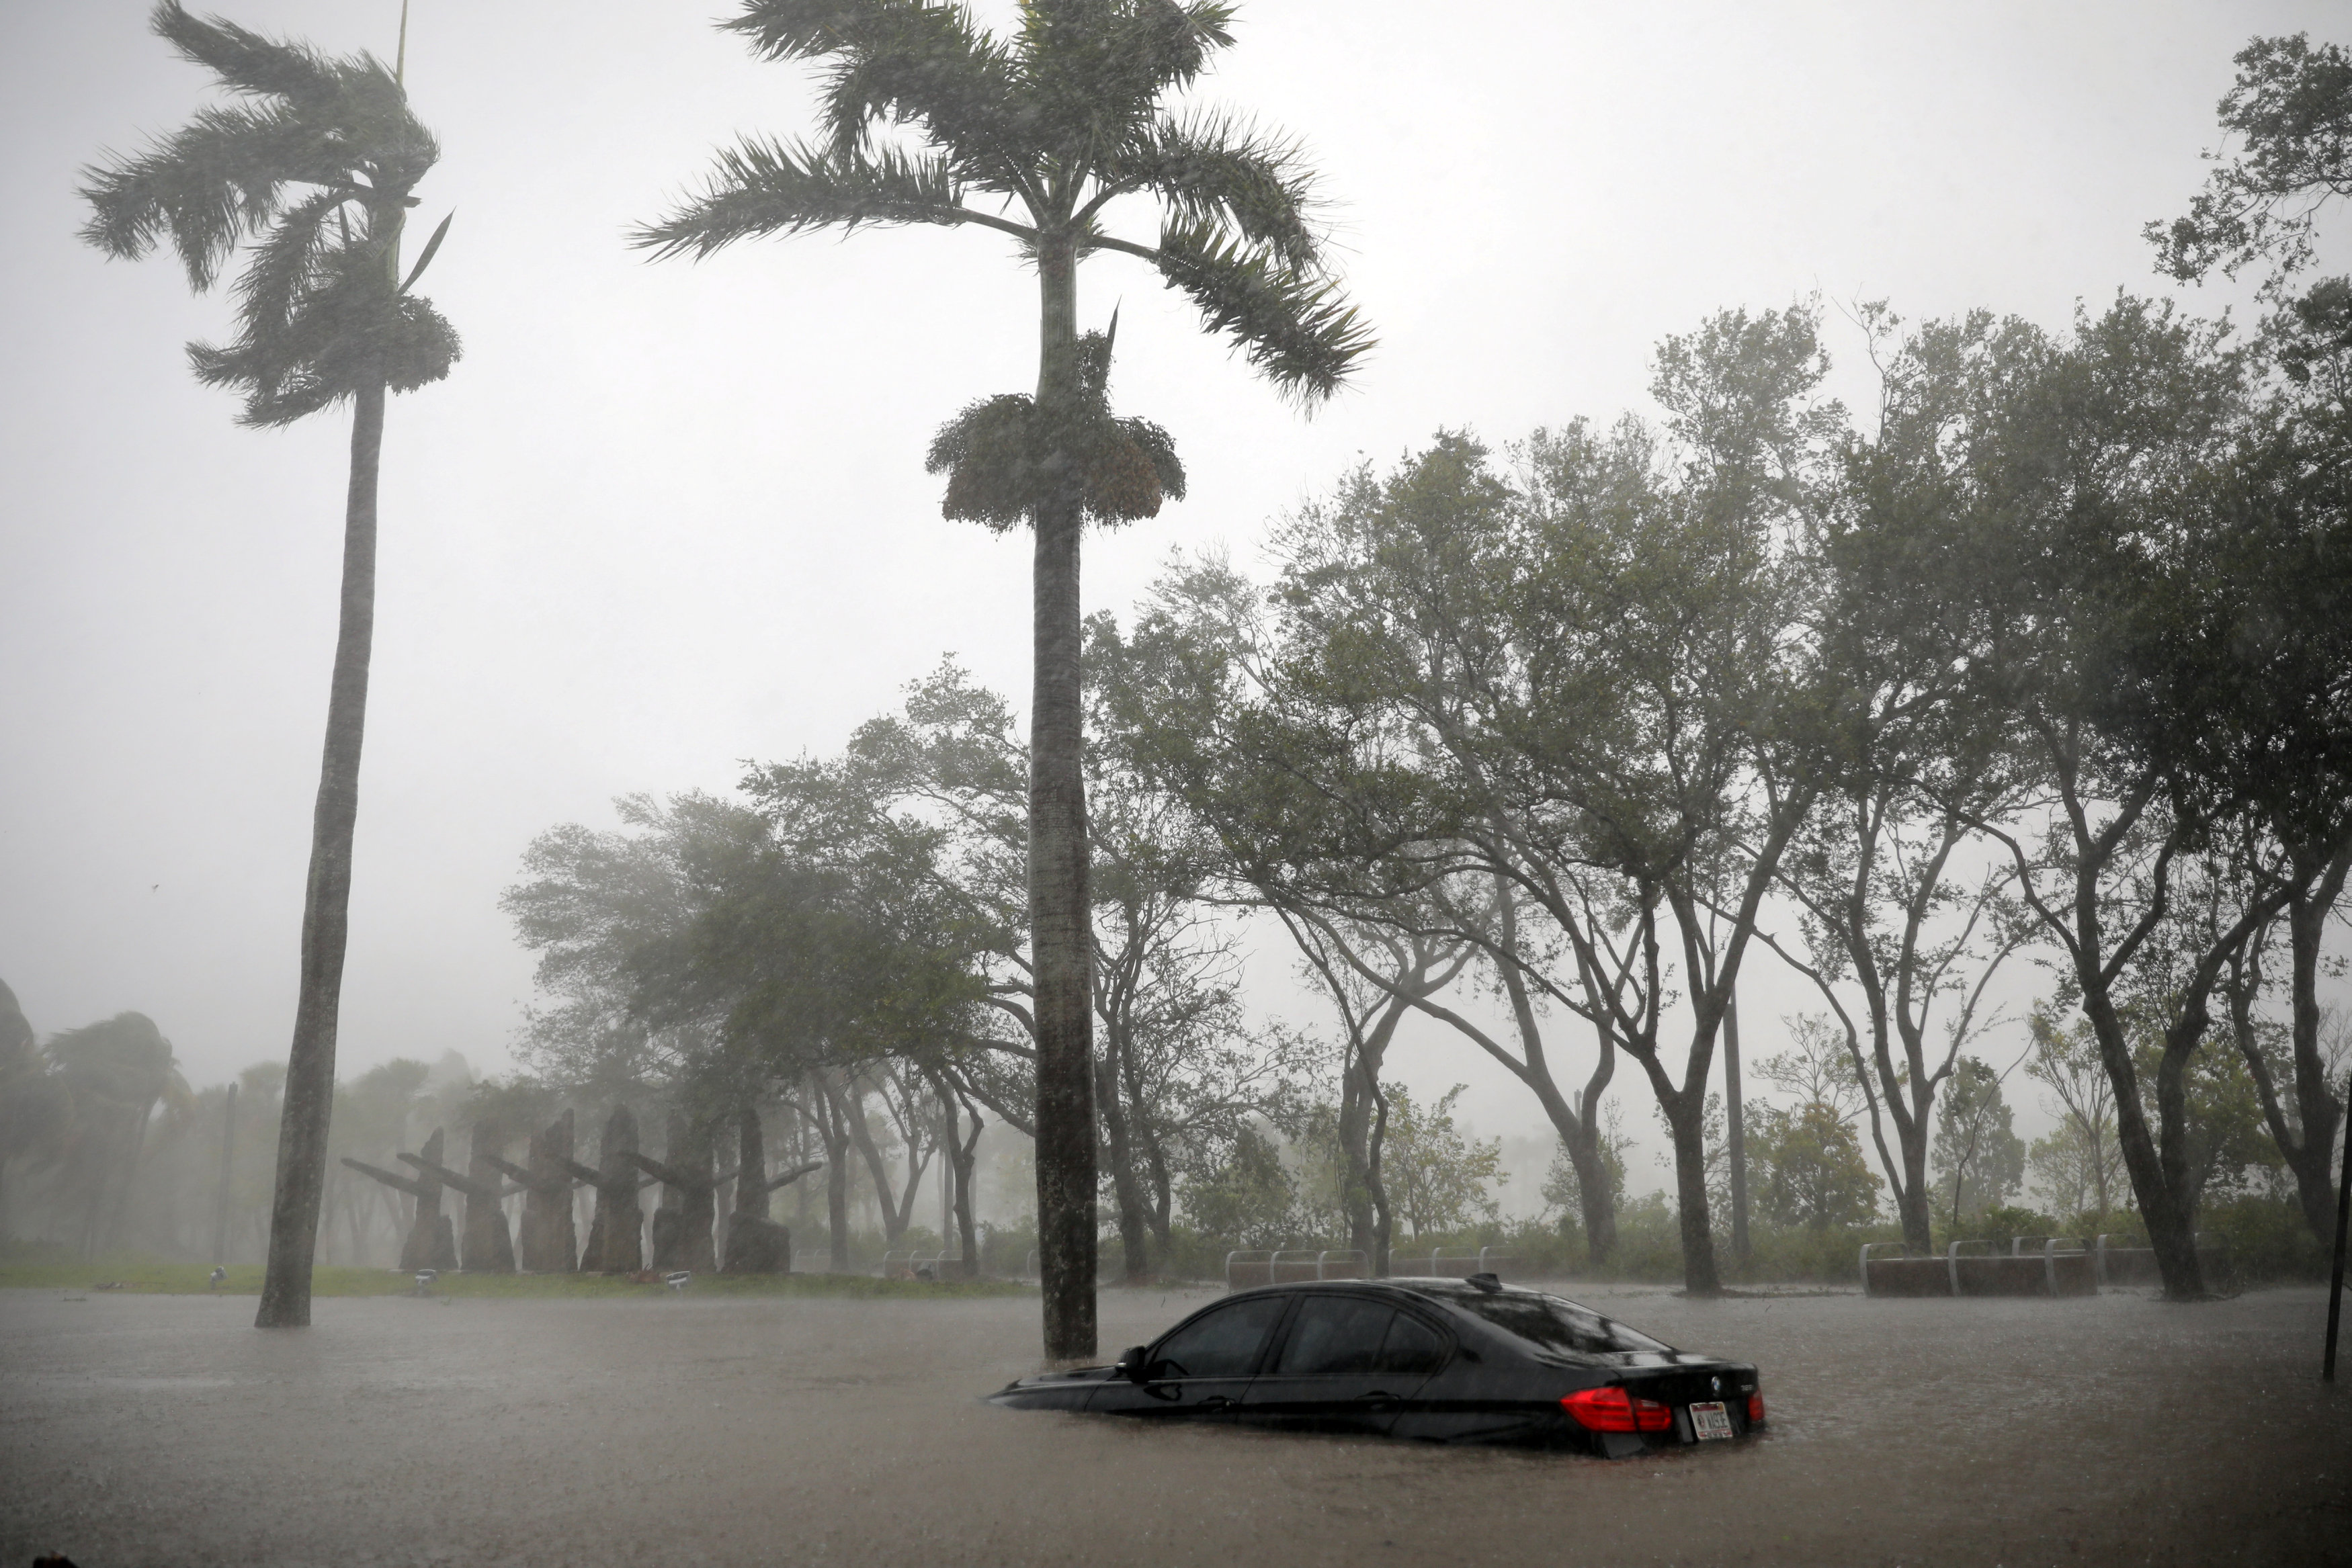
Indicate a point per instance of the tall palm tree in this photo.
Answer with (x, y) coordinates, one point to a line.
(316, 167)
(1054, 123)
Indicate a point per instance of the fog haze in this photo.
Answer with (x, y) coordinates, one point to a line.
(667, 517)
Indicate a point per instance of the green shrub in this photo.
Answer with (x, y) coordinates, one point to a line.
(2259, 1241)
(2005, 1222)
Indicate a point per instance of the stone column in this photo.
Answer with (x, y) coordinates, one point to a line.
(547, 1239)
(616, 1234)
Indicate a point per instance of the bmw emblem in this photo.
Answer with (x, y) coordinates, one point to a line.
(1716, 1384)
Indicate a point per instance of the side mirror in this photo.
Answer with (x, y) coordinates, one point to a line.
(1134, 1363)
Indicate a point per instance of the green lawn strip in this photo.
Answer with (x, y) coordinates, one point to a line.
(135, 1276)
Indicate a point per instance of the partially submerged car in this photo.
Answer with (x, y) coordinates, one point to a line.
(1459, 1360)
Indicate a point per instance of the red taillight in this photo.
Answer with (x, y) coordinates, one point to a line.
(1614, 1411)
(1755, 1409)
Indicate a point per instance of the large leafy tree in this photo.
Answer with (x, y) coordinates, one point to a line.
(1562, 721)
(1575, 709)
(1204, 697)
(1054, 124)
(1175, 1069)
(310, 172)
(1812, 1165)
(1308, 738)
(2108, 488)
(1441, 1179)
(806, 946)
(1980, 1161)
(1903, 934)
(2290, 110)
(2290, 114)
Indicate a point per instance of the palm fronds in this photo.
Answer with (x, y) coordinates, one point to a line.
(774, 187)
(1296, 327)
(315, 173)
(808, 29)
(1064, 118)
(1216, 170)
(1092, 73)
(287, 265)
(928, 65)
(246, 62)
(903, 61)
(205, 188)
(342, 329)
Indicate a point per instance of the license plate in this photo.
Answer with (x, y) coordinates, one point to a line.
(1710, 1420)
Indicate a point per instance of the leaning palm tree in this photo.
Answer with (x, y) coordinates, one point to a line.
(1052, 124)
(114, 1073)
(315, 170)
(32, 1101)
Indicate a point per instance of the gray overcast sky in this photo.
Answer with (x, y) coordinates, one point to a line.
(666, 516)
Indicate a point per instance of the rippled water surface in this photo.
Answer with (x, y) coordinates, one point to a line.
(166, 1431)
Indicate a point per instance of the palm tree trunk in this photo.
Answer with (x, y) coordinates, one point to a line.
(1061, 932)
(326, 911)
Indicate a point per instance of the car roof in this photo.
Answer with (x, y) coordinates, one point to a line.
(1440, 1285)
(1431, 1285)
(1433, 1288)
(1459, 1296)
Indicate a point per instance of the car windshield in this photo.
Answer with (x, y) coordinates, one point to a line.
(1550, 1324)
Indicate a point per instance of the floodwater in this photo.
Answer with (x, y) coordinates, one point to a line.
(166, 1431)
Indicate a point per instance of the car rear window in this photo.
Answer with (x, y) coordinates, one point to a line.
(1412, 1346)
(1549, 1322)
(1335, 1335)
(1348, 1335)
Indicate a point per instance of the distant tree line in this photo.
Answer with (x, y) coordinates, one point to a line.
(105, 1148)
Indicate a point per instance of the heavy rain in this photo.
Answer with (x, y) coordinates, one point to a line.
(1133, 781)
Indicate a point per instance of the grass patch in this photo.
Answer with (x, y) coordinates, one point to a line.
(146, 1276)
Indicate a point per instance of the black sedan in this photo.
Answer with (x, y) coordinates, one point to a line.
(1460, 1361)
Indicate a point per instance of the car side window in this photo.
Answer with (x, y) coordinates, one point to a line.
(1333, 1336)
(1412, 1346)
(1221, 1344)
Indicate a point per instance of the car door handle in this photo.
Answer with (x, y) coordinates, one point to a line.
(1377, 1397)
(1214, 1402)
